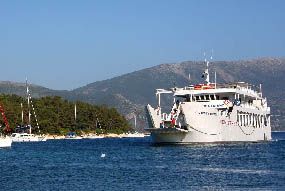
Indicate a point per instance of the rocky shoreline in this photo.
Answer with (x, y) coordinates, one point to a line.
(94, 136)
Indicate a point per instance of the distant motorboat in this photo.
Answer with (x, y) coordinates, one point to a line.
(5, 142)
(90, 136)
(72, 136)
(133, 134)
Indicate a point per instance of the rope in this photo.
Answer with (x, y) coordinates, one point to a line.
(8, 130)
(98, 122)
(203, 132)
(246, 133)
(34, 112)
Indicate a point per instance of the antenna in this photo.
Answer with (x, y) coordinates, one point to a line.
(212, 54)
(215, 79)
(260, 88)
(206, 72)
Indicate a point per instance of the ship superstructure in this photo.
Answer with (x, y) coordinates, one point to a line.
(212, 112)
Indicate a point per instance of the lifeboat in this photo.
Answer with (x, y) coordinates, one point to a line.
(197, 87)
(206, 87)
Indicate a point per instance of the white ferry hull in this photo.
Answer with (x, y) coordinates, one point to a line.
(198, 137)
(204, 123)
(5, 142)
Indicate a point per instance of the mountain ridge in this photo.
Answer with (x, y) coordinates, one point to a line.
(129, 93)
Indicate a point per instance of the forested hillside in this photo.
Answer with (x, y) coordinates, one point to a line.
(57, 116)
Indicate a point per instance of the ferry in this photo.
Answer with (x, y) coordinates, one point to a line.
(211, 112)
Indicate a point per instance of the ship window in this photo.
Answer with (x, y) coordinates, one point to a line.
(238, 117)
(212, 97)
(187, 99)
(225, 98)
(265, 120)
(207, 97)
(197, 97)
(202, 98)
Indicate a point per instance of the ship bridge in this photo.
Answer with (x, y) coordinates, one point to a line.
(238, 90)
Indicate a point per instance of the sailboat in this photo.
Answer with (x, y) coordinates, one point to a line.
(73, 135)
(134, 133)
(21, 135)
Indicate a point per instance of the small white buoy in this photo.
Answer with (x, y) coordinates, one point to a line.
(103, 155)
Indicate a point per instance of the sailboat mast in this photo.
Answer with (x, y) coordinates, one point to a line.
(22, 114)
(75, 112)
(135, 122)
(29, 111)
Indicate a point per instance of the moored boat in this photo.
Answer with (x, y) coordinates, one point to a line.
(27, 137)
(5, 141)
(133, 134)
(20, 135)
(94, 136)
(72, 136)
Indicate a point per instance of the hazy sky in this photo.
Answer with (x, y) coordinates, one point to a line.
(67, 44)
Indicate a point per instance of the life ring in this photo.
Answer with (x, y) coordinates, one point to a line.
(226, 102)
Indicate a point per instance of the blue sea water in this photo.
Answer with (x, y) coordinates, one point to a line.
(137, 164)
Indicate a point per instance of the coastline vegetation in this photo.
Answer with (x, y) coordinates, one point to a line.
(56, 116)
